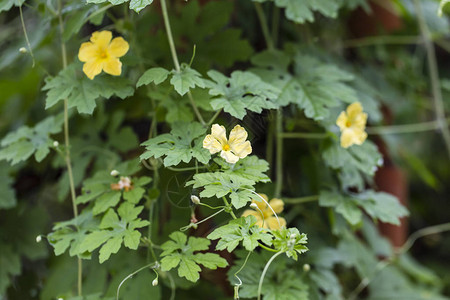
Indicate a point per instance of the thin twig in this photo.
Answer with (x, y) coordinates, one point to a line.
(434, 75)
(264, 27)
(26, 35)
(67, 146)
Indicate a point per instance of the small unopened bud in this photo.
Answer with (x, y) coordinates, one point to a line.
(38, 239)
(254, 206)
(306, 267)
(60, 298)
(55, 144)
(195, 200)
(293, 236)
(23, 50)
(155, 282)
(380, 162)
(114, 173)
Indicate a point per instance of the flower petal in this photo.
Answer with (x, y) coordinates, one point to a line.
(219, 132)
(238, 135)
(262, 205)
(251, 212)
(360, 121)
(241, 150)
(277, 205)
(88, 51)
(118, 47)
(212, 144)
(229, 157)
(360, 136)
(93, 68)
(101, 39)
(348, 137)
(273, 224)
(354, 109)
(342, 120)
(113, 66)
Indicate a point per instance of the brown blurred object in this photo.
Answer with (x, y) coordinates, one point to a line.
(383, 18)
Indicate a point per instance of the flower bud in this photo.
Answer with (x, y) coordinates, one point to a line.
(195, 200)
(306, 267)
(114, 173)
(55, 144)
(254, 206)
(23, 50)
(155, 282)
(293, 236)
(38, 239)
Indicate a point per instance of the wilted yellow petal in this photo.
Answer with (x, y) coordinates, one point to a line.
(342, 120)
(220, 133)
(112, 66)
(277, 205)
(118, 47)
(212, 144)
(92, 68)
(88, 51)
(101, 39)
(229, 157)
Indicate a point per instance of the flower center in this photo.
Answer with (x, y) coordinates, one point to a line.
(103, 54)
(348, 123)
(226, 147)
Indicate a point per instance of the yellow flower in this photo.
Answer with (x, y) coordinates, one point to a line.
(232, 149)
(352, 124)
(270, 221)
(102, 54)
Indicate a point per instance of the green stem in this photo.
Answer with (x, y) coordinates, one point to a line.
(275, 24)
(185, 169)
(67, 146)
(264, 273)
(152, 266)
(237, 285)
(279, 154)
(303, 135)
(406, 128)
(269, 145)
(169, 35)
(199, 222)
(421, 233)
(266, 248)
(175, 57)
(381, 40)
(26, 35)
(213, 118)
(228, 205)
(264, 27)
(301, 199)
(434, 76)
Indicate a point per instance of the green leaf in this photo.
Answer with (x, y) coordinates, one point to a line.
(353, 163)
(155, 75)
(82, 93)
(179, 253)
(382, 206)
(241, 92)
(186, 79)
(136, 5)
(282, 281)
(221, 184)
(242, 230)
(6, 5)
(115, 231)
(20, 145)
(291, 241)
(182, 144)
(9, 265)
(300, 12)
(250, 167)
(7, 192)
(345, 206)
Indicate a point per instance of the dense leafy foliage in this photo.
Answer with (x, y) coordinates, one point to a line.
(139, 140)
